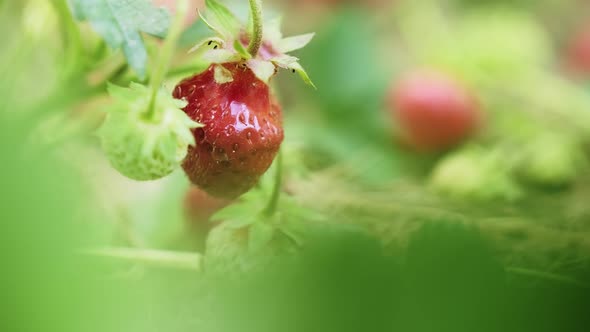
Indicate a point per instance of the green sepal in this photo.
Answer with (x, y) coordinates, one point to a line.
(222, 75)
(215, 29)
(221, 56)
(230, 48)
(262, 69)
(207, 44)
(272, 30)
(295, 66)
(242, 50)
(292, 63)
(294, 43)
(222, 19)
(284, 60)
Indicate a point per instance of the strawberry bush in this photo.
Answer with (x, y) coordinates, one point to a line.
(225, 165)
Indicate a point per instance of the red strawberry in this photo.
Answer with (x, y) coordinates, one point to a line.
(242, 130)
(432, 111)
(241, 122)
(578, 53)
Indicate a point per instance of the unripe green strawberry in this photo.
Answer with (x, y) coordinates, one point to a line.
(477, 174)
(144, 145)
(552, 160)
(489, 46)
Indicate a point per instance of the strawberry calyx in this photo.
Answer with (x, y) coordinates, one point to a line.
(262, 51)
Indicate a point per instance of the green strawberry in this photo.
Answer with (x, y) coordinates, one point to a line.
(144, 146)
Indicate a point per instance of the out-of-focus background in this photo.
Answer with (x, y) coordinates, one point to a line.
(438, 178)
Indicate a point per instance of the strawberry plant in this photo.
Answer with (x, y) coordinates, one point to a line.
(160, 159)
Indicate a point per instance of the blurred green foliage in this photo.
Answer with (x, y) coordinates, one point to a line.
(490, 236)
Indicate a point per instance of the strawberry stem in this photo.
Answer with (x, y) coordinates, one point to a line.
(167, 53)
(271, 208)
(72, 36)
(256, 38)
(151, 257)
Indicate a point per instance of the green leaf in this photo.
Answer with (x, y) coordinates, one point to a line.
(259, 236)
(221, 19)
(290, 44)
(121, 23)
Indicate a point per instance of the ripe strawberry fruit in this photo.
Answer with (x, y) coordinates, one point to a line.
(242, 130)
(432, 111)
(241, 122)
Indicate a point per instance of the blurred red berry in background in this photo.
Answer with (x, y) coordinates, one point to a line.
(432, 111)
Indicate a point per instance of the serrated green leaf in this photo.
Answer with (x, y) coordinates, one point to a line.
(262, 69)
(222, 19)
(290, 44)
(259, 236)
(121, 23)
